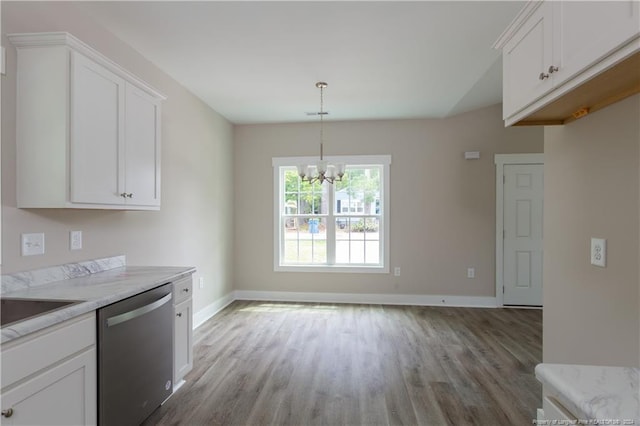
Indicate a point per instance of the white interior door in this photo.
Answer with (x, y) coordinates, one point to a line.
(523, 204)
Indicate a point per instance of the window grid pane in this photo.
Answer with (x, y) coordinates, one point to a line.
(305, 240)
(357, 240)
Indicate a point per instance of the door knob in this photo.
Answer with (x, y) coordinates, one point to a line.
(7, 413)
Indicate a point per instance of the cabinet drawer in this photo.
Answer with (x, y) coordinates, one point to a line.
(182, 290)
(32, 353)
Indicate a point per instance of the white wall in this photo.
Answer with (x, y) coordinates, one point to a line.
(442, 207)
(195, 224)
(592, 186)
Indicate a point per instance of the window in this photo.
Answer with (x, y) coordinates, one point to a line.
(339, 227)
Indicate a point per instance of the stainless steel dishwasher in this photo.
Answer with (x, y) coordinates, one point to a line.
(135, 357)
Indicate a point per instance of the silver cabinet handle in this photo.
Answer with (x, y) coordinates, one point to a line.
(123, 195)
(7, 413)
(179, 314)
(552, 69)
(115, 320)
(542, 76)
(130, 195)
(126, 195)
(186, 290)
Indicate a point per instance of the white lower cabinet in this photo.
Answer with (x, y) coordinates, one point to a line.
(50, 377)
(183, 337)
(183, 348)
(553, 410)
(62, 395)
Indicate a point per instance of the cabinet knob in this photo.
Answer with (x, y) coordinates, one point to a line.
(552, 69)
(186, 290)
(7, 413)
(130, 195)
(179, 314)
(542, 76)
(123, 195)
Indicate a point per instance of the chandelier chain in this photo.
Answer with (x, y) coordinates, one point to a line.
(321, 122)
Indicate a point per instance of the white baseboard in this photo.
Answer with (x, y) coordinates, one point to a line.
(209, 311)
(375, 299)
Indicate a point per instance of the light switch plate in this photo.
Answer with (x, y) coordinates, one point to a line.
(471, 272)
(32, 244)
(599, 252)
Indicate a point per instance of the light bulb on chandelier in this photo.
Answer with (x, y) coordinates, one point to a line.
(322, 171)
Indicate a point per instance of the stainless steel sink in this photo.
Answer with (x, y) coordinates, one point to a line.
(13, 310)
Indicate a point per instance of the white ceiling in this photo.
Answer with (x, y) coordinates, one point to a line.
(258, 62)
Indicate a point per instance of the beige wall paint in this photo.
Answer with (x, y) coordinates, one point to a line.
(195, 224)
(442, 207)
(591, 314)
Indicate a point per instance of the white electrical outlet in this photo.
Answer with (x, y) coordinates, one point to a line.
(75, 240)
(32, 244)
(599, 252)
(201, 282)
(471, 272)
(396, 271)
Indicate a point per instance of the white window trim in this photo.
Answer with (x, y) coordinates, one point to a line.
(384, 161)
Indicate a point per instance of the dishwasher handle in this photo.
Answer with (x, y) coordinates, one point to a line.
(115, 320)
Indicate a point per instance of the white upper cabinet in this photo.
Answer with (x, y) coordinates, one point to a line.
(142, 167)
(97, 137)
(526, 58)
(586, 31)
(88, 132)
(564, 59)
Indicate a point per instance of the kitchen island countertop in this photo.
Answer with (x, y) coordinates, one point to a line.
(609, 395)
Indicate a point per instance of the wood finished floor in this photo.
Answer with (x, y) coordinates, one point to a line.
(263, 363)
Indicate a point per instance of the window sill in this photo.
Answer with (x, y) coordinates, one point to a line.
(333, 268)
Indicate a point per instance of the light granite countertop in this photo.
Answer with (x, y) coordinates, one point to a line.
(594, 392)
(94, 283)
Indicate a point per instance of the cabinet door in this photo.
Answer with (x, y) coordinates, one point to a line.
(183, 340)
(62, 395)
(142, 148)
(526, 59)
(97, 136)
(586, 31)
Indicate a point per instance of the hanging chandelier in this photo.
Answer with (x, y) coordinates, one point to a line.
(322, 171)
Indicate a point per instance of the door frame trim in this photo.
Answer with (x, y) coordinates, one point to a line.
(501, 160)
